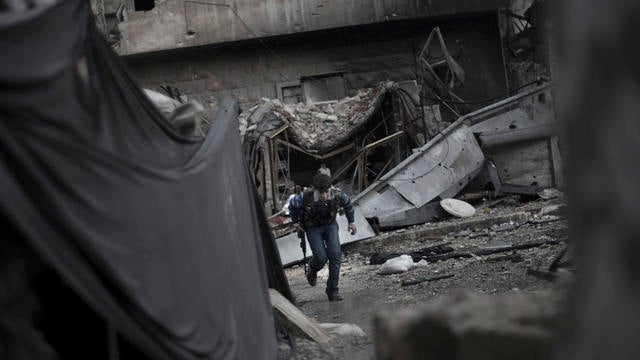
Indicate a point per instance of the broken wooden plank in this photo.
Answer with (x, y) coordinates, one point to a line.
(407, 282)
(280, 130)
(298, 148)
(383, 140)
(297, 322)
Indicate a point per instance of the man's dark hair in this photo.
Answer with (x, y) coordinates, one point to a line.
(321, 182)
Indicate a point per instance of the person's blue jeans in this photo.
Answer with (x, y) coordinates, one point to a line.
(325, 245)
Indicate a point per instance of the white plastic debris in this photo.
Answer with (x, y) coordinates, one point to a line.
(457, 207)
(396, 265)
(342, 329)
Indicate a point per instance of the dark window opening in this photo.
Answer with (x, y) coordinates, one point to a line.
(292, 94)
(144, 5)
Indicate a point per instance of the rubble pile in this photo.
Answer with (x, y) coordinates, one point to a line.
(317, 126)
(323, 126)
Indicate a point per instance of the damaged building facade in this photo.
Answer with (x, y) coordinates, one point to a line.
(367, 88)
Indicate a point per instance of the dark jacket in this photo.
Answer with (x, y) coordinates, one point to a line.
(309, 211)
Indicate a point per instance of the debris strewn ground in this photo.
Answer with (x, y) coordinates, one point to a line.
(368, 293)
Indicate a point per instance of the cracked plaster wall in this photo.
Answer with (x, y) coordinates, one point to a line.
(168, 24)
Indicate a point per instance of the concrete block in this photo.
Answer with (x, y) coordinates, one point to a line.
(467, 326)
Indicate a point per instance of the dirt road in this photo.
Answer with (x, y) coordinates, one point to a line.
(367, 292)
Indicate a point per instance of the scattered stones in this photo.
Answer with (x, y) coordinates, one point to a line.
(367, 293)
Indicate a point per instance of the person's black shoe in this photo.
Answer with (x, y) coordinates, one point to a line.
(312, 277)
(334, 295)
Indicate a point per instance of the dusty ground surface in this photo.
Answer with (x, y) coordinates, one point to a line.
(366, 292)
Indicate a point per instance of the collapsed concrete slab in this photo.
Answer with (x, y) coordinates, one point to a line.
(440, 169)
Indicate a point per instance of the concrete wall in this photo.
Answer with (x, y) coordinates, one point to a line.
(179, 23)
(365, 55)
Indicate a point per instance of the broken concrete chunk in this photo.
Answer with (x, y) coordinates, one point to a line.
(323, 116)
(466, 326)
(550, 193)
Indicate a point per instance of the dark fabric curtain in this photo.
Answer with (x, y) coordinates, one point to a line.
(161, 234)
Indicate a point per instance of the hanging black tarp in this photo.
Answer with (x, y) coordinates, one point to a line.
(162, 235)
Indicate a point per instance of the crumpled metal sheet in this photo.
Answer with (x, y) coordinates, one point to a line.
(440, 169)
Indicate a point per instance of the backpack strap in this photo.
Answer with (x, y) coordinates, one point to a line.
(308, 209)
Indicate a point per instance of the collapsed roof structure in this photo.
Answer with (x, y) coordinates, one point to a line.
(334, 132)
(506, 147)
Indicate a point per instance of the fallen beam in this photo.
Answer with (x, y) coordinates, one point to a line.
(297, 322)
